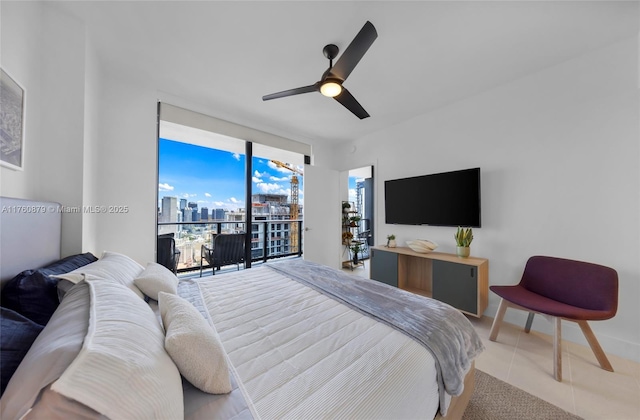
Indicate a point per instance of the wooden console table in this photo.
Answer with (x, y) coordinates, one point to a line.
(461, 282)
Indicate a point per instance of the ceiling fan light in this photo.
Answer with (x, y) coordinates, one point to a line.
(330, 89)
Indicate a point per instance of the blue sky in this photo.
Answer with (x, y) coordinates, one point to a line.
(215, 178)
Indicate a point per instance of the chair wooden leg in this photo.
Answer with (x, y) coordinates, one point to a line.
(527, 326)
(595, 346)
(557, 348)
(497, 321)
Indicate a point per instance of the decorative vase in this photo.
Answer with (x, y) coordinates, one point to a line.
(392, 243)
(463, 251)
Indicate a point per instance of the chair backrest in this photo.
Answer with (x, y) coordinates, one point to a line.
(166, 251)
(576, 283)
(228, 248)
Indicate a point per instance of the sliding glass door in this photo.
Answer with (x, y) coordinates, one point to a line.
(201, 189)
(210, 184)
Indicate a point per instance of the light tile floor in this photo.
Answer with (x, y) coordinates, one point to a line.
(526, 361)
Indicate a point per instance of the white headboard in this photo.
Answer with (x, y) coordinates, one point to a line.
(29, 235)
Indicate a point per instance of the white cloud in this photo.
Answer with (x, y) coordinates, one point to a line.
(276, 179)
(218, 204)
(165, 187)
(285, 170)
(271, 188)
(277, 168)
(258, 174)
(234, 200)
(207, 195)
(236, 156)
(256, 179)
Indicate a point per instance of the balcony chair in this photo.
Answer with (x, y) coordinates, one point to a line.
(562, 289)
(167, 254)
(226, 249)
(365, 238)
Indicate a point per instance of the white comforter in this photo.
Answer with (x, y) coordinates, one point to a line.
(299, 354)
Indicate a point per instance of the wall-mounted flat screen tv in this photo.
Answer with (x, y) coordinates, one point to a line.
(443, 199)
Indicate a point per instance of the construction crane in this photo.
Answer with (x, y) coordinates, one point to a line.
(293, 205)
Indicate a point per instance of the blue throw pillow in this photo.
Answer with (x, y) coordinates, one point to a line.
(33, 293)
(68, 264)
(18, 333)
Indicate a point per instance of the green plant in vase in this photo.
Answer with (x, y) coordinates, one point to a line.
(391, 241)
(354, 221)
(355, 249)
(463, 237)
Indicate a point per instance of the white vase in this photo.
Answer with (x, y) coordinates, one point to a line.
(392, 243)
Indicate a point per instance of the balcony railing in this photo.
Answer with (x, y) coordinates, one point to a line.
(269, 239)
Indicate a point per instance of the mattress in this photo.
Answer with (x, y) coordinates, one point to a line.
(297, 353)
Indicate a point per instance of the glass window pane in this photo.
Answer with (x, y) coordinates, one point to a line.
(201, 179)
(278, 196)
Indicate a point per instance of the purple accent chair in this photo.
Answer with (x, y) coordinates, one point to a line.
(562, 289)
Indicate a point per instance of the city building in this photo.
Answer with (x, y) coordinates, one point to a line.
(218, 214)
(168, 214)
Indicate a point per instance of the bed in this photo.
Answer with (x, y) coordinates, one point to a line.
(289, 339)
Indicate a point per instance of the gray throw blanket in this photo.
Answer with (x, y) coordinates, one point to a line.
(439, 327)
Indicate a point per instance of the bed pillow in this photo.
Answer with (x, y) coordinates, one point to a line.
(194, 345)
(33, 293)
(111, 266)
(17, 333)
(123, 370)
(69, 263)
(156, 278)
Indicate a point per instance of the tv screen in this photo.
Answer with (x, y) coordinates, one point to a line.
(443, 199)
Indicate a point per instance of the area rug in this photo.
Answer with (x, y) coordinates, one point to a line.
(494, 399)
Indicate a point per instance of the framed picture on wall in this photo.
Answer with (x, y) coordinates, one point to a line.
(11, 122)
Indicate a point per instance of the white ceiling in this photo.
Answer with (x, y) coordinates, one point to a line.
(225, 56)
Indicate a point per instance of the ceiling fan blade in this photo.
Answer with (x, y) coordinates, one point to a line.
(349, 102)
(291, 92)
(354, 52)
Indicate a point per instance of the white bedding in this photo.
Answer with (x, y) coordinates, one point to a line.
(124, 348)
(300, 354)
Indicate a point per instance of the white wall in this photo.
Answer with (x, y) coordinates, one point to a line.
(61, 147)
(560, 159)
(126, 168)
(20, 48)
(93, 98)
(44, 51)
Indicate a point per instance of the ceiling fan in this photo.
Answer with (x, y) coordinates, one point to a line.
(330, 83)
